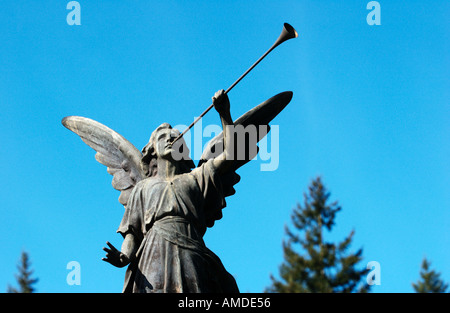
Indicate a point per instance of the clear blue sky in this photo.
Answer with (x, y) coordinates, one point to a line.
(370, 113)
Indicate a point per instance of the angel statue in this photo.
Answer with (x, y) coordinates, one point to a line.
(169, 203)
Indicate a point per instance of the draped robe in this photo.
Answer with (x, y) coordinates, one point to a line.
(168, 219)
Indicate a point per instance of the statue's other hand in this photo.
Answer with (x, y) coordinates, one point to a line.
(115, 257)
(221, 102)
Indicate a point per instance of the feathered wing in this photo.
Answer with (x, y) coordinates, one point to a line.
(120, 156)
(260, 116)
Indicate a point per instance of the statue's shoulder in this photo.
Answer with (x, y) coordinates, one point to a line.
(147, 182)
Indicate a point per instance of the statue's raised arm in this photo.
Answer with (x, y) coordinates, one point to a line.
(242, 138)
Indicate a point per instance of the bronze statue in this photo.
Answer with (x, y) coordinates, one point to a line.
(169, 203)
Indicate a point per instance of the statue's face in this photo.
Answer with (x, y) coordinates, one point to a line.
(163, 147)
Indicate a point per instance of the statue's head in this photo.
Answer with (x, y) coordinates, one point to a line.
(159, 146)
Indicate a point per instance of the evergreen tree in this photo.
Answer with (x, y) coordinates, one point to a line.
(430, 280)
(323, 266)
(24, 277)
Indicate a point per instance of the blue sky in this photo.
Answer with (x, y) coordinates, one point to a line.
(370, 114)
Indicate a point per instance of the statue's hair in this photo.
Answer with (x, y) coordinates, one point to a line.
(149, 157)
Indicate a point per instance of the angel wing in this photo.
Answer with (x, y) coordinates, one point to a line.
(113, 150)
(260, 116)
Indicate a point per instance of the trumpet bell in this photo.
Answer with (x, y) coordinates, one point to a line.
(287, 33)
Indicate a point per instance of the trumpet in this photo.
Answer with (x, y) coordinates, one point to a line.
(287, 33)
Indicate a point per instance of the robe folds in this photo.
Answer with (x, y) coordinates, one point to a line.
(169, 218)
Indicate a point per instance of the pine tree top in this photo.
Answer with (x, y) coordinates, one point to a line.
(24, 277)
(312, 264)
(430, 281)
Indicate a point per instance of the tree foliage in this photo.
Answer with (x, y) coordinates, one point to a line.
(430, 281)
(319, 266)
(24, 279)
